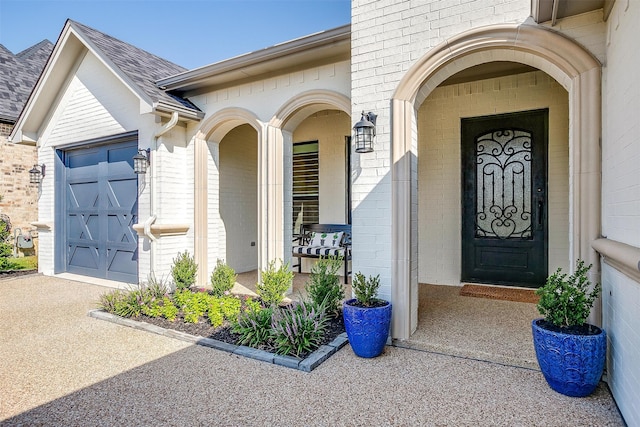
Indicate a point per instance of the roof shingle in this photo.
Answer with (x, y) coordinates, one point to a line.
(142, 67)
(18, 75)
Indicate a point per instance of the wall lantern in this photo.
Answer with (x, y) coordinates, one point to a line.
(36, 174)
(364, 131)
(141, 161)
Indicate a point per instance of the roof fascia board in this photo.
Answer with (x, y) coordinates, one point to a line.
(207, 86)
(163, 109)
(270, 54)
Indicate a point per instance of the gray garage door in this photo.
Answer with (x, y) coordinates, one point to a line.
(100, 191)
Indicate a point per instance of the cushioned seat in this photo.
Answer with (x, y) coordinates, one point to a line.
(321, 250)
(323, 240)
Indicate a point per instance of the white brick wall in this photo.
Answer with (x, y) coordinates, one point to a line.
(239, 198)
(621, 202)
(387, 38)
(439, 165)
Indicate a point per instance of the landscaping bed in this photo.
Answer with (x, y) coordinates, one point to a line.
(335, 327)
(263, 327)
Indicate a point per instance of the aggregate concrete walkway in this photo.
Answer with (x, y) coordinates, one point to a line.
(60, 367)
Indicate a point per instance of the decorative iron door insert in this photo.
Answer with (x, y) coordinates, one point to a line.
(504, 214)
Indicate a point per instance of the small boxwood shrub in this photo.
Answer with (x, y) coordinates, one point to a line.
(223, 278)
(324, 287)
(184, 270)
(275, 281)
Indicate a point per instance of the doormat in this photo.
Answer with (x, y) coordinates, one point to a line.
(499, 293)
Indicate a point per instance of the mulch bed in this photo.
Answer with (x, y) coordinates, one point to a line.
(223, 333)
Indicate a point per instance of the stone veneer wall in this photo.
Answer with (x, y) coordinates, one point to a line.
(19, 199)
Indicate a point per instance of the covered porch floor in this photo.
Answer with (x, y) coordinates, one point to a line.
(476, 328)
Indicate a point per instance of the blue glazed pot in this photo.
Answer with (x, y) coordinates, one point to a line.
(571, 364)
(367, 327)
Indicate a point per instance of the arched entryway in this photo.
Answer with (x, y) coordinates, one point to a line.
(562, 59)
(227, 219)
(314, 126)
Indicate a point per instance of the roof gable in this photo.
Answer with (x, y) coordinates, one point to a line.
(135, 68)
(141, 67)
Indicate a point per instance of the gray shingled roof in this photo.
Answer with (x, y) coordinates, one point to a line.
(142, 67)
(18, 75)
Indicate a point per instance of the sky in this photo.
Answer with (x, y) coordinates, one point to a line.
(190, 33)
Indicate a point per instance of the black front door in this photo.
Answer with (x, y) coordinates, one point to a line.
(504, 209)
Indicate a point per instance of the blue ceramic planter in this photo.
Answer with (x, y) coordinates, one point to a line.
(367, 328)
(571, 364)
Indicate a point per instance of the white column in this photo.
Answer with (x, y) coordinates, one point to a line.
(271, 195)
(200, 234)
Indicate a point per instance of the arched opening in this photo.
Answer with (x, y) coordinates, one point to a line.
(228, 201)
(315, 126)
(568, 64)
(238, 199)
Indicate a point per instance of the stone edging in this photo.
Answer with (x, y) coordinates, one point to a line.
(306, 365)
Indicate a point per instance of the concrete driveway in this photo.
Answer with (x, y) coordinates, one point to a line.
(60, 367)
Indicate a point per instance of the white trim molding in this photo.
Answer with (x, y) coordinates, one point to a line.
(624, 258)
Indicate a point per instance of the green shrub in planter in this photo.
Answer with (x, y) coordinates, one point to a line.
(570, 352)
(565, 300)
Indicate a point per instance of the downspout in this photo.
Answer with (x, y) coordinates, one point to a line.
(152, 190)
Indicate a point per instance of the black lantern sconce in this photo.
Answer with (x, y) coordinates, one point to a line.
(364, 131)
(36, 174)
(141, 161)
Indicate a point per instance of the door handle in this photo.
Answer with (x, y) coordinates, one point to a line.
(540, 211)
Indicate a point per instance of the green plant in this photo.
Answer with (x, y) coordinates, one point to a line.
(254, 327)
(184, 270)
(161, 307)
(275, 281)
(223, 278)
(154, 288)
(109, 300)
(5, 246)
(366, 289)
(25, 263)
(298, 328)
(565, 300)
(193, 304)
(324, 285)
(168, 310)
(130, 305)
(221, 308)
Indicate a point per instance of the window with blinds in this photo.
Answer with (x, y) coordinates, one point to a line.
(305, 185)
